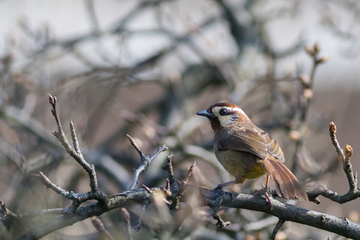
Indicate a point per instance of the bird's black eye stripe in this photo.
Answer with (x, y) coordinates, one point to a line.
(224, 111)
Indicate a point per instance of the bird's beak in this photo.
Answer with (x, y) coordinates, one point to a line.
(205, 113)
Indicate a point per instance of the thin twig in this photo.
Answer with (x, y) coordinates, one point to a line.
(74, 138)
(126, 217)
(46, 181)
(190, 171)
(97, 223)
(138, 225)
(344, 156)
(145, 160)
(75, 153)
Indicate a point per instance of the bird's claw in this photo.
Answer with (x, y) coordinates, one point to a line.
(267, 196)
(218, 188)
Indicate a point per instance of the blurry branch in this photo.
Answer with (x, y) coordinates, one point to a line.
(126, 218)
(306, 94)
(19, 117)
(100, 228)
(138, 225)
(92, 15)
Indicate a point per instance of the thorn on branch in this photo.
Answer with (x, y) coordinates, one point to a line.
(190, 171)
(147, 189)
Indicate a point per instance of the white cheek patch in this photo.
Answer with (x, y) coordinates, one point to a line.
(227, 119)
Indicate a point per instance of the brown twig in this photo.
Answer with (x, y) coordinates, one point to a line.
(145, 160)
(74, 152)
(306, 93)
(173, 187)
(126, 217)
(97, 223)
(190, 171)
(344, 156)
(46, 181)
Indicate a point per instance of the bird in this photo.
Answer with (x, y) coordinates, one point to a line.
(248, 152)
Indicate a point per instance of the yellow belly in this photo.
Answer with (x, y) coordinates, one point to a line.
(256, 172)
(241, 165)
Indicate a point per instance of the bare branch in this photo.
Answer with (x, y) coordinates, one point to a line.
(276, 229)
(354, 191)
(76, 154)
(145, 160)
(46, 181)
(206, 197)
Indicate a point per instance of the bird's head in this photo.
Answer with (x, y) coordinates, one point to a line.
(223, 114)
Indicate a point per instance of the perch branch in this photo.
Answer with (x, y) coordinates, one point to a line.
(288, 212)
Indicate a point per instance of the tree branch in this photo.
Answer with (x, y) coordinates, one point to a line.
(206, 197)
(344, 156)
(75, 153)
(145, 160)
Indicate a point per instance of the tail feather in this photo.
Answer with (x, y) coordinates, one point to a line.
(287, 185)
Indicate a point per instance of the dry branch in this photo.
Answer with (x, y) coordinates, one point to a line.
(145, 160)
(288, 212)
(177, 194)
(354, 191)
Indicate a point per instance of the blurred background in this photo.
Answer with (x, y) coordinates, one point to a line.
(145, 68)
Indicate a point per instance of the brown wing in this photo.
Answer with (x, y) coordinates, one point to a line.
(250, 138)
(273, 148)
(243, 139)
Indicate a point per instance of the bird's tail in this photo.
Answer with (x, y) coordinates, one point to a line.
(287, 185)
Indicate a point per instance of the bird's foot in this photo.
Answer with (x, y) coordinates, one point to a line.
(220, 186)
(219, 189)
(269, 200)
(265, 192)
(260, 191)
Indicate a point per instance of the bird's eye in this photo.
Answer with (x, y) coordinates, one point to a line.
(223, 111)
